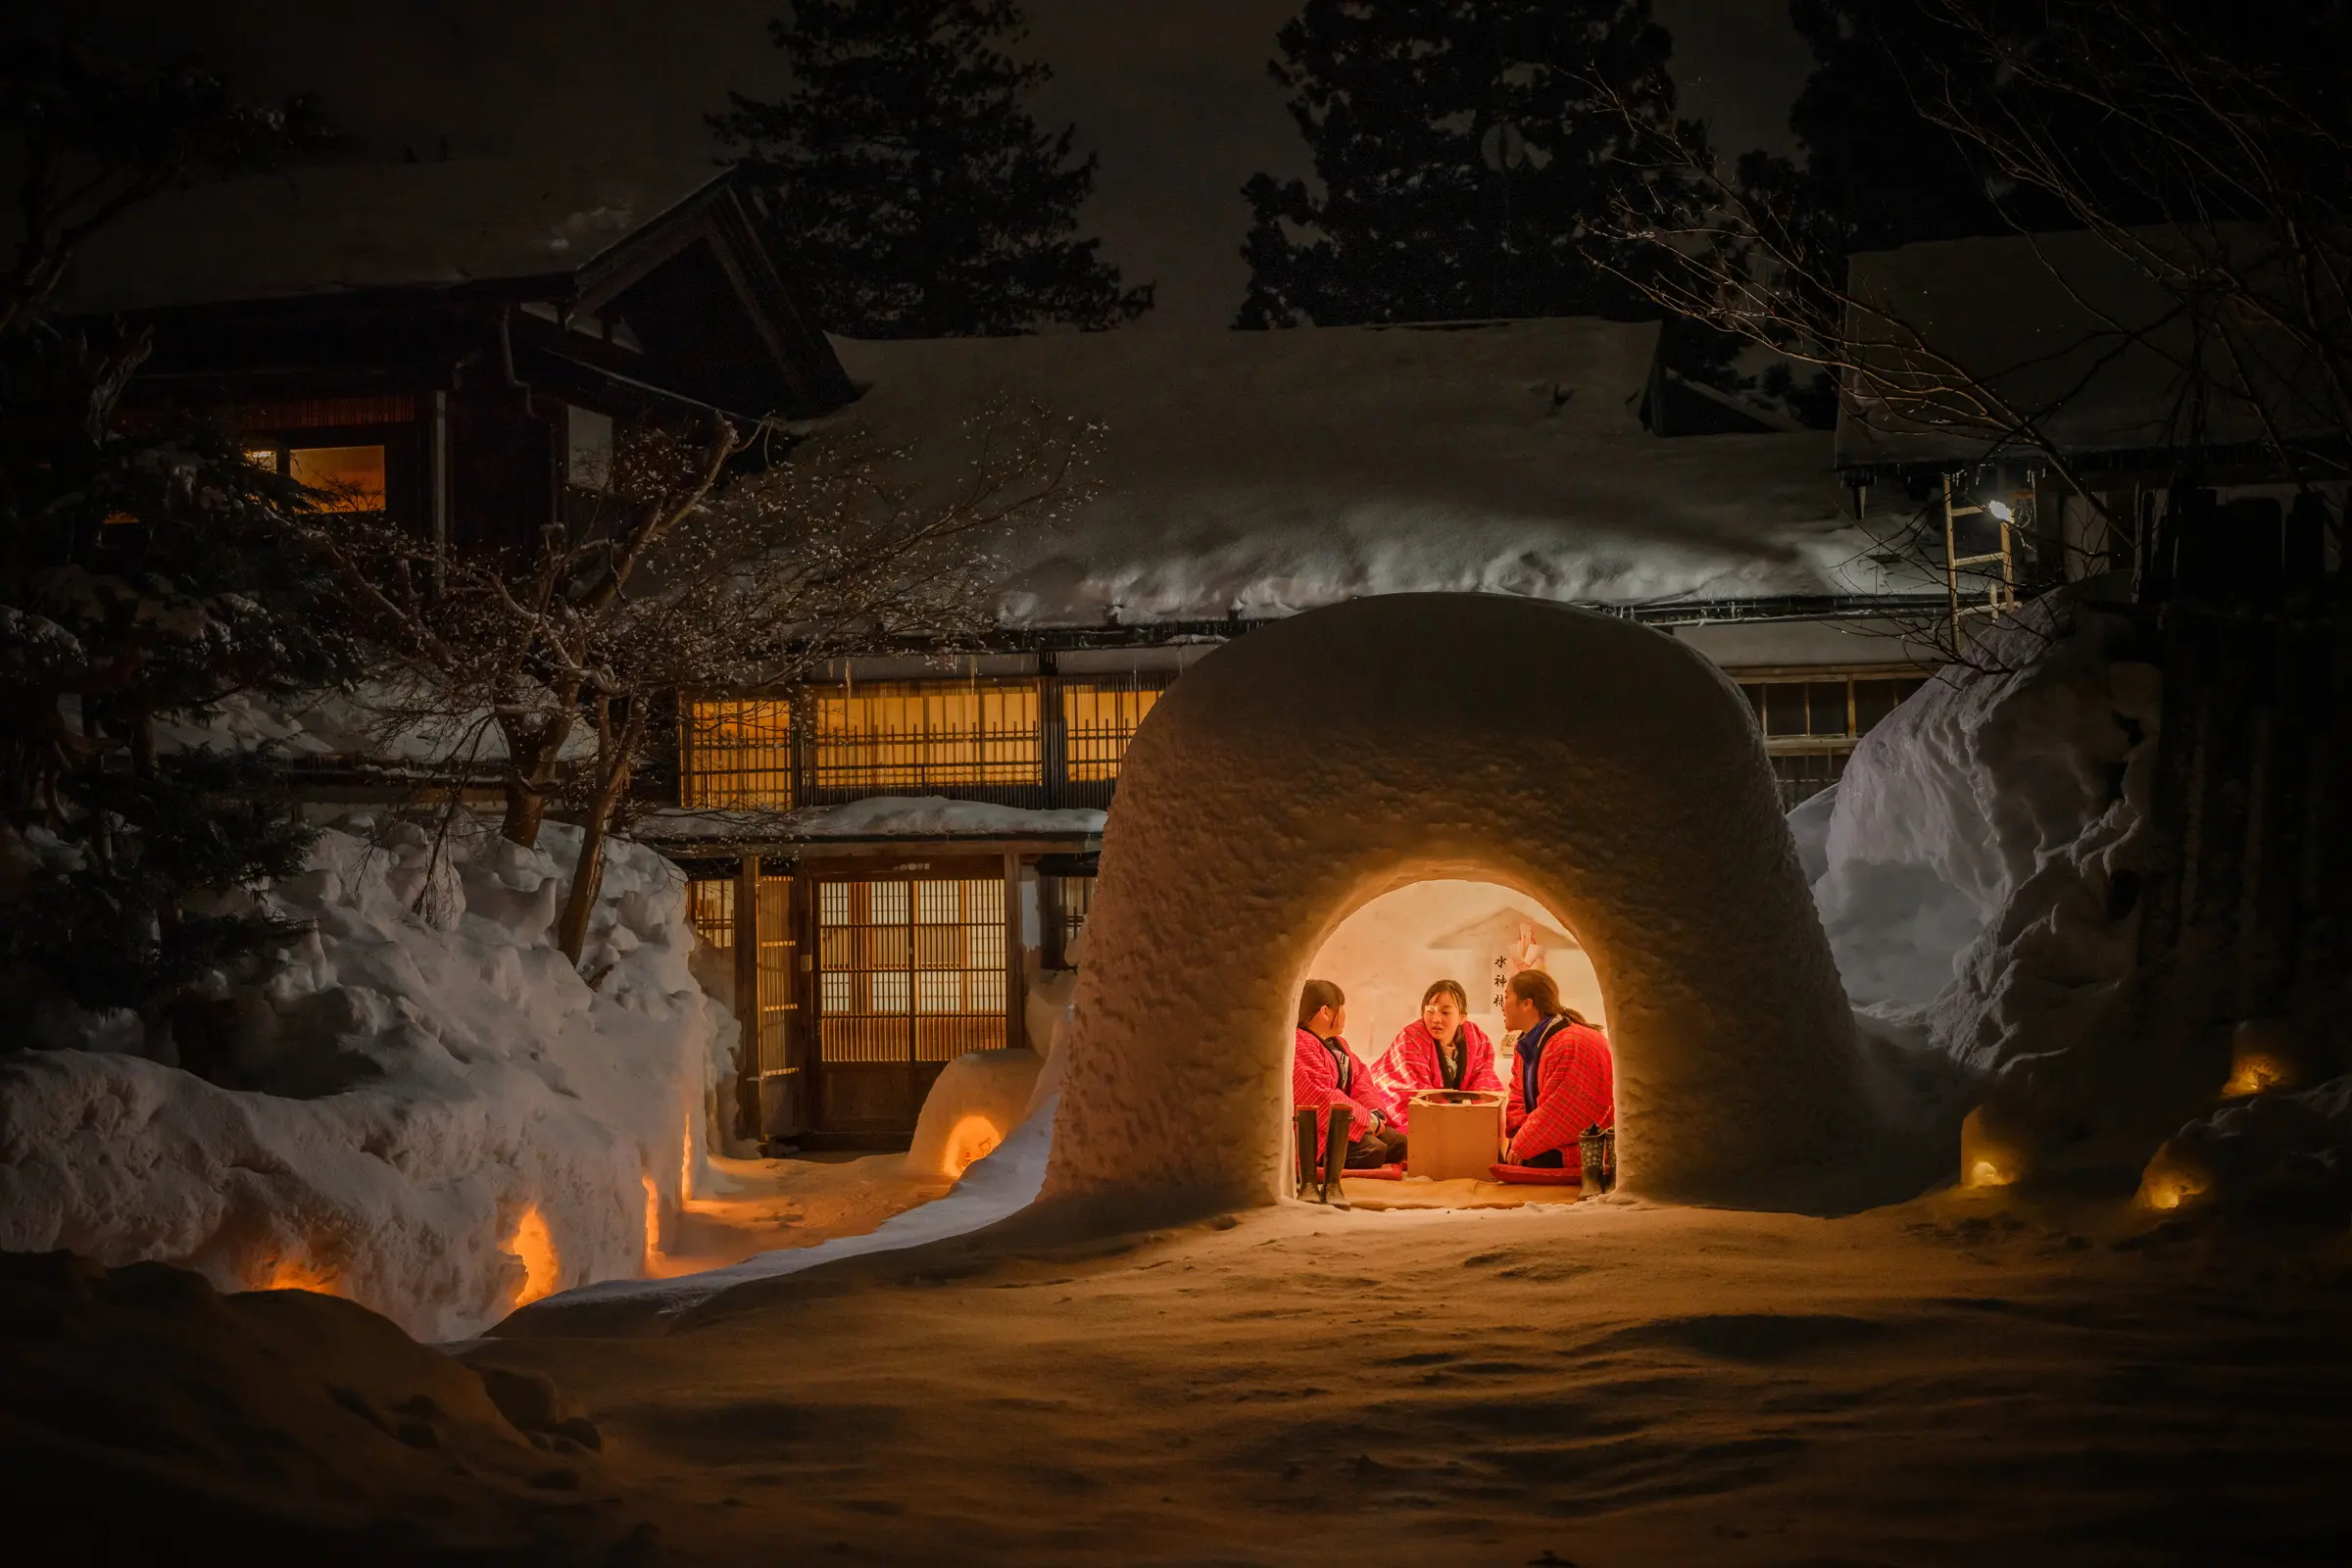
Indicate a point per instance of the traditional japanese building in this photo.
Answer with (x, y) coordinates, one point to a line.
(452, 342)
(891, 855)
(883, 859)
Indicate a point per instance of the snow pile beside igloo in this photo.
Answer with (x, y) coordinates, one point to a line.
(427, 1102)
(2273, 1151)
(1979, 871)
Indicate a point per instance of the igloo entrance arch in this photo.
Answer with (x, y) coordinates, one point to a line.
(1601, 769)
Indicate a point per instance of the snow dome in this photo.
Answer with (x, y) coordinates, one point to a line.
(1601, 769)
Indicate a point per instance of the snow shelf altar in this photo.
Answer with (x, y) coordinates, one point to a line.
(446, 1119)
(1599, 767)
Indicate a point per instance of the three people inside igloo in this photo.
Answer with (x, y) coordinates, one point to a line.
(1562, 1072)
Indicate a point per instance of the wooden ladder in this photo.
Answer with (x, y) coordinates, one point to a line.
(2000, 593)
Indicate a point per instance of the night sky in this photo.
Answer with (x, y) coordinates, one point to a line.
(1173, 95)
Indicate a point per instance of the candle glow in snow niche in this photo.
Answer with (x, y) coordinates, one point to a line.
(1594, 767)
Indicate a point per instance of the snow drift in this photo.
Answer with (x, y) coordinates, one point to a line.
(1977, 878)
(445, 1118)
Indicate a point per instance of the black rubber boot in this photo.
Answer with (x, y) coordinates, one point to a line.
(1334, 1151)
(1310, 1161)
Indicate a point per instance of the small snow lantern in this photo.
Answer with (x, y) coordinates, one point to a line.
(1985, 1158)
(2173, 1178)
(2262, 1057)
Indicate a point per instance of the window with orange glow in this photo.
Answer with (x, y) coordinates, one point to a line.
(351, 477)
(736, 755)
(710, 905)
(921, 735)
(909, 970)
(1098, 721)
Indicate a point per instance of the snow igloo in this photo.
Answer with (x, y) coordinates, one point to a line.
(1601, 769)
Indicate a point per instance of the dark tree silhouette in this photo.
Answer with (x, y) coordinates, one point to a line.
(1464, 150)
(909, 184)
(147, 571)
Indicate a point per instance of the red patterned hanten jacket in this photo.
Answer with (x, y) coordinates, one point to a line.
(1411, 1065)
(1315, 1086)
(1576, 1087)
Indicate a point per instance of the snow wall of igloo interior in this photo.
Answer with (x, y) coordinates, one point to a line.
(1604, 770)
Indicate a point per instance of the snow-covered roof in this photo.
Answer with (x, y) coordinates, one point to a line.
(1260, 473)
(332, 228)
(2074, 331)
(880, 816)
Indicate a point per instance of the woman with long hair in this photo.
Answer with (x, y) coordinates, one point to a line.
(1327, 1075)
(1439, 1049)
(1563, 1078)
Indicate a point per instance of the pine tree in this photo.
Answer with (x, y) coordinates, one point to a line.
(914, 192)
(1463, 149)
(1878, 172)
(147, 571)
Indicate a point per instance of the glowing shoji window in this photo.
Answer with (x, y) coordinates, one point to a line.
(736, 755)
(914, 735)
(911, 970)
(1098, 721)
(710, 905)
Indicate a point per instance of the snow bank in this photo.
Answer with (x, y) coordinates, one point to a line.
(443, 1114)
(994, 1189)
(2275, 1151)
(1979, 870)
(1603, 771)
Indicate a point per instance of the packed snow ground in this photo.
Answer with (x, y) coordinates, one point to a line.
(440, 1117)
(1958, 1380)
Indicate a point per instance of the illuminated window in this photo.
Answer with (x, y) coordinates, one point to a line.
(921, 736)
(263, 457)
(352, 478)
(909, 970)
(1098, 721)
(736, 755)
(710, 905)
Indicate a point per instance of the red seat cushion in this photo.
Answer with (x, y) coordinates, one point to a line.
(1531, 1176)
(1376, 1173)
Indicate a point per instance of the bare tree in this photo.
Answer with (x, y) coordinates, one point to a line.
(2212, 193)
(2218, 183)
(682, 574)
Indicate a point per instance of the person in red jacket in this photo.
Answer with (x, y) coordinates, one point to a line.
(1563, 1079)
(1439, 1049)
(1325, 1073)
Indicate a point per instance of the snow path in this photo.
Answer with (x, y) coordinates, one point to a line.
(994, 1189)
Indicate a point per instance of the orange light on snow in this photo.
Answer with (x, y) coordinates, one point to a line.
(2254, 1074)
(293, 1274)
(2171, 1179)
(535, 1248)
(970, 1140)
(1984, 1173)
(653, 1217)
